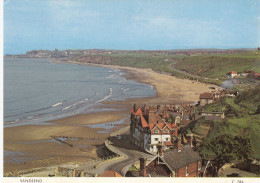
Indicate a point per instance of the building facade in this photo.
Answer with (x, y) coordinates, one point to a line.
(149, 127)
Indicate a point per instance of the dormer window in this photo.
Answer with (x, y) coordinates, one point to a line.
(156, 131)
(166, 131)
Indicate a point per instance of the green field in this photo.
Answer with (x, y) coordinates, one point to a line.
(216, 66)
(156, 62)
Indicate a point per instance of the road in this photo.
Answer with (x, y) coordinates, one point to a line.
(184, 72)
(131, 155)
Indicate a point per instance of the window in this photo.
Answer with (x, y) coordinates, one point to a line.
(187, 172)
(199, 165)
(167, 139)
(165, 131)
(156, 139)
(156, 131)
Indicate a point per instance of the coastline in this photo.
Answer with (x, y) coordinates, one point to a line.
(36, 140)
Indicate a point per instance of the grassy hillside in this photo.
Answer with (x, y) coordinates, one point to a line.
(216, 66)
(205, 68)
(158, 62)
(242, 118)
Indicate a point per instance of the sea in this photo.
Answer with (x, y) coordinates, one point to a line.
(37, 90)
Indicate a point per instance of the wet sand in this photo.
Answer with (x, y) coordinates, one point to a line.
(35, 141)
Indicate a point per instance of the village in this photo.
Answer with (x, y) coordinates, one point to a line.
(154, 144)
(249, 74)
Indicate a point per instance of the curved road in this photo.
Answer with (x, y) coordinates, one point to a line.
(130, 153)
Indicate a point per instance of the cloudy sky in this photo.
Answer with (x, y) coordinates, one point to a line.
(130, 24)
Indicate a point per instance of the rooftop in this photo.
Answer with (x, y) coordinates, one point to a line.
(176, 160)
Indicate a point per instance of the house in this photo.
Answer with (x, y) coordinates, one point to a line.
(206, 98)
(149, 127)
(253, 75)
(232, 74)
(183, 161)
(177, 117)
(228, 93)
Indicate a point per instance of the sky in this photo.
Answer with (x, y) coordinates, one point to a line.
(130, 24)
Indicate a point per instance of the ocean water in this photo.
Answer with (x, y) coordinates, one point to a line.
(37, 90)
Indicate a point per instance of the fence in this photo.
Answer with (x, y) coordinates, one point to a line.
(82, 170)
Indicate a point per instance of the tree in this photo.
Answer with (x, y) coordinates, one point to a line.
(172, 118)
(225, 149)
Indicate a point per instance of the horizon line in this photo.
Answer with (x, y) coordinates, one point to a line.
(74, 49)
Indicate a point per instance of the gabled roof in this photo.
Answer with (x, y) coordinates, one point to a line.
(151, 126)
(137, 113)
(168, 125)
(160, 125)
(144, 122)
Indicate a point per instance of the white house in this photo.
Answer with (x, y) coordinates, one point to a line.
(148, 128)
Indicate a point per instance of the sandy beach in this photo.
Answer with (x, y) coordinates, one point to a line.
(36, 141)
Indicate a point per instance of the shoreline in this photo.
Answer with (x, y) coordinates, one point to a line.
(49, 153)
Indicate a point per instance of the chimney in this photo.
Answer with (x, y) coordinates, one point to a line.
(145, 107)
(160, 149)
(189, 140)
(179, 145)
(150, 112)
(142, 172)
(135, 107)
(158, 107)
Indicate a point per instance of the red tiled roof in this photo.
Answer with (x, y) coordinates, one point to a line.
(232, 72)
(151, 126)
(160, 125)
(138, 112)
(154, 118)
(174, 125)
(168, 143)
(144, 123)
(169, 126)
(109, 173)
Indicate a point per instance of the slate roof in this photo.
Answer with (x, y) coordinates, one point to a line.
(175, 114)
(175, 160)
